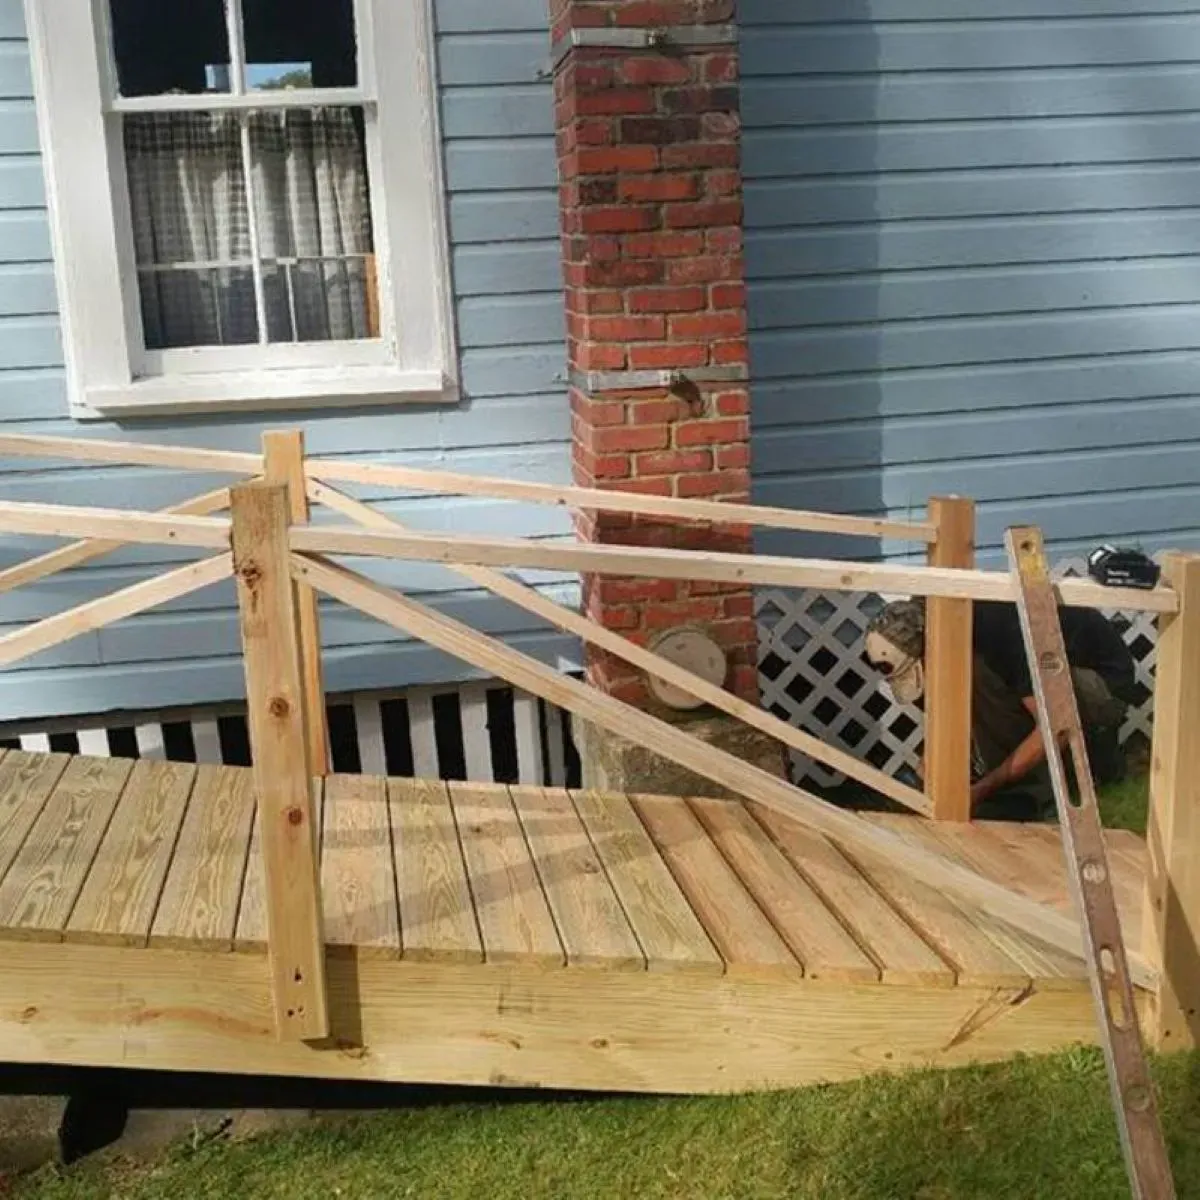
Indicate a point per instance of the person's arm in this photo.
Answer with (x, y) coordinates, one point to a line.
(1030, 754)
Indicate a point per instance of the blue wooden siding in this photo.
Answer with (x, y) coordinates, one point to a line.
(497, 117)
(973, 243)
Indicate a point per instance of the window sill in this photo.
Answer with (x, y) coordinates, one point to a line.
(265, 391)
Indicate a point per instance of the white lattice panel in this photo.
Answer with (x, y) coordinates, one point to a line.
(812, 675)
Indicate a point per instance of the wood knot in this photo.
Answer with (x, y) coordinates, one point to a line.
(251, 574)
(279, 707)
(295, 816)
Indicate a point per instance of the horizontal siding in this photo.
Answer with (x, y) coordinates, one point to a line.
(973, 249)
(497, 126)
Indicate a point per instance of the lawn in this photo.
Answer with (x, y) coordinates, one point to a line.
(1025, 1129)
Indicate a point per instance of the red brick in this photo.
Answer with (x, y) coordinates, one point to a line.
(657, 69)
(663, 245)
(629, 438)
(627, 329)
(713, 483)
(597, 412)
(593, 191)
(600, 466)
(616, 102)
(667, 300)
(712, 433)
(618, 219)
(655, 486)
(655, 412)
(666, 357)
(694, 155)
(705, 213)
(726, 354)
(594, 132)
(720, 126)
(592, 302)
(672, 462)
(705, 99)
(591, 75)
(659, 131)
(729, 295)
(705, 269)
(721, 68)
(737, 457)
(725, 241)
(603, 160)
(622, 617)
(658, 187)
(681, 612)
(618, 274)
(622, 589)
(733, 404)
(708, 325)
(741, 605)
(725, 181)
(592, 356)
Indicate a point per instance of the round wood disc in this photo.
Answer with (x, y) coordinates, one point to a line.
(694, 651)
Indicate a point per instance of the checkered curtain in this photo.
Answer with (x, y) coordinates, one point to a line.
(191, 226)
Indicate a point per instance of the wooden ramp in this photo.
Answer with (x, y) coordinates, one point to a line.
(486, 934)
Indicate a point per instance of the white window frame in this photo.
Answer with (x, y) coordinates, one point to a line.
(109, 371)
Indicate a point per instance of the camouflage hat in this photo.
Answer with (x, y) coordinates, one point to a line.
(903, 624)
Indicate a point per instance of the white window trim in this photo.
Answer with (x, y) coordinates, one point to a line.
(109, 372)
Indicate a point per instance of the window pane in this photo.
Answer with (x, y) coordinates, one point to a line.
(191, 229)
(300, 43)
(170, 47)
(312, 204)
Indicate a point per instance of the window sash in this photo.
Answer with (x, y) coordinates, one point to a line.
(108, 369)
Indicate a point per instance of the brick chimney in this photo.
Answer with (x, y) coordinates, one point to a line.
(648, 137)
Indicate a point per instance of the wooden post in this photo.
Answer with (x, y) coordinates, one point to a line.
(1171, 914)
(948, 667)
(283, 462)
(274, 692)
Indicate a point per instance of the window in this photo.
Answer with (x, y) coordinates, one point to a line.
(246, 212)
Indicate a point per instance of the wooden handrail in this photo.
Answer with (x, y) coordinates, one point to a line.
(763, 570)
(132, 454)
(670, 508)
(78, 553)
(56, 520)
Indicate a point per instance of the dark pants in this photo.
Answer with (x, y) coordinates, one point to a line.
(1000, 723)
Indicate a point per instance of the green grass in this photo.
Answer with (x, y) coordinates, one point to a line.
(1024, 1129)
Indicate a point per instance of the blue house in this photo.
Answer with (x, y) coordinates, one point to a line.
(972, 257)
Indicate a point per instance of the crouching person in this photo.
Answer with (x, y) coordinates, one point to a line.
(1010, 778)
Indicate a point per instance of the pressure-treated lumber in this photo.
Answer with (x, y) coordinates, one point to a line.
(516, 1025)
(275, 702)
(761, 569)
(78, 553)
(95, 614)
(598, 500)
(283, 462)
(948, 667)
(532, 601)
(661, 738)
(145, 454)
(113, 524)
(1171, 934)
